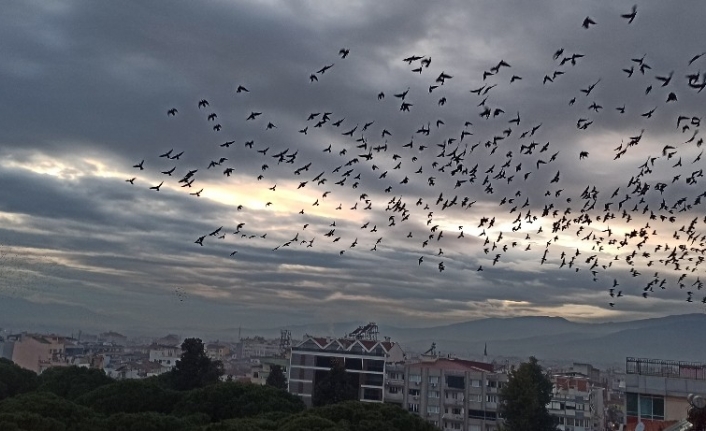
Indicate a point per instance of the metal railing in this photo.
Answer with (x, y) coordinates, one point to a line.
(665, 368)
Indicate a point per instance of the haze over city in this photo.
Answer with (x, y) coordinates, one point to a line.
(517, 160)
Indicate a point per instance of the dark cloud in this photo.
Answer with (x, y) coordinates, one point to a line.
(86, 94)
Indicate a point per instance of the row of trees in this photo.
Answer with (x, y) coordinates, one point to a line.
(190, 398)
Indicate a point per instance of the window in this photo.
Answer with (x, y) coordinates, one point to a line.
(475, 398)
(433, 409)
(475, 383)
(456, 382)
(415, 378)
(433, 394)
(651, 407)
(433, 380)
(413, 407)
(393, 390)
(491, 398)
(413, 392)
(491, 383)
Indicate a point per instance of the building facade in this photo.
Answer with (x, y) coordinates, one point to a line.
(577, 402)
(362, 355)
(656, 391)
(450, 393)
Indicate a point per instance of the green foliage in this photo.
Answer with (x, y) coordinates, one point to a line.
(195, 369)
(238, 400)
(146, 421)
(131, 396)
(336, 386)
(247, 424)
(24, 421)
(14, 379)
(72, 382)
(311, 423)
(47, 405)
(525, 397)
(360, 416)
(276, 379)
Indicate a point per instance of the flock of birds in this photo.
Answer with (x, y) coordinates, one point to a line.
(496, 157)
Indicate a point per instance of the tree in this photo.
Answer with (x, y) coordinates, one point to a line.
(276, 378)
(15, 380)
(72, 382)
(334, 387)
(195, 369)
(524, 399)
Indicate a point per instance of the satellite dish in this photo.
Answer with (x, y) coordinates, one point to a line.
(640, 427)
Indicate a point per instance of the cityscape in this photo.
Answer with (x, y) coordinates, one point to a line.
(297, 215)
(448, 391)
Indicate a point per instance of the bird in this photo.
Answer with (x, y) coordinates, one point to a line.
(172, 112)
(140, 165)
(630, 16)
(588, 22)
(157, 186)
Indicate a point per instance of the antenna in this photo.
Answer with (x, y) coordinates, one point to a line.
(285, 341)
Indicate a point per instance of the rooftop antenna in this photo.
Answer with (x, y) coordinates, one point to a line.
(285, 341)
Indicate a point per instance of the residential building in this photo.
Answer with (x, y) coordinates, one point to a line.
(38, 352)
(165, 355)
(260, 371)
(217, 351)
(577, 402)
(451, 393)
(656, 391)
(361, 354)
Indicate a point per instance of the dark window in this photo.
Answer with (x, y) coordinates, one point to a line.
(456, 382)
(373, 379)
(372, 394)
(374, 365)
(324, 361)
(354, 364)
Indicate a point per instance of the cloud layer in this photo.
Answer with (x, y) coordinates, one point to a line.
(563, 174)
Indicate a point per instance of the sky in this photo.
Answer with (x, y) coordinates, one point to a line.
(556, 161)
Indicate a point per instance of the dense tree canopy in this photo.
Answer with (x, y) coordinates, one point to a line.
(71, 382)
(82, 400)
(195, 369)
(276, 378)
(15, 380)
(525, 397)
(334, 387)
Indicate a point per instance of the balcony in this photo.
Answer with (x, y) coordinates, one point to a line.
(394, 382)
(454, 401)
(453, 417)
(394, 397)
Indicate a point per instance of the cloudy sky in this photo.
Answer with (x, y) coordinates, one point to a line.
(545, 194)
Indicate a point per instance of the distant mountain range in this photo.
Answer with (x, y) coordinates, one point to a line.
(678, 337)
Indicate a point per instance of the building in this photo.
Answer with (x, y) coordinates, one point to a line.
(450, 393)
(260, 371)
(166, 356)
(360, 352)
(217, 351)
(577, 402)
(656, 391)
(38, 352)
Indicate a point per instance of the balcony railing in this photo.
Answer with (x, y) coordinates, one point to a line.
(665, 368)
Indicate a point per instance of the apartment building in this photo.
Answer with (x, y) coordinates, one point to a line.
(656, 391)
(452, 394)
(577, 402)
(361, 353)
